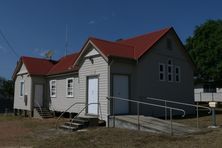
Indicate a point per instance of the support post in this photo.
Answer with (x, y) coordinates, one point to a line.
(213, 117)
(213, 106)
(113, 112)
(171, 123)
(197, 110)
(200, 97)
(138, 115)
(165, 110)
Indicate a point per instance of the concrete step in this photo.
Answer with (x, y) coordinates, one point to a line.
(73, 124)
(44, 112)
(70, 128)
(92, 120)
(152, 124)
(81, 121)
(50, 116)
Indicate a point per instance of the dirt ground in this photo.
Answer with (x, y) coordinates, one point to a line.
(29, 132)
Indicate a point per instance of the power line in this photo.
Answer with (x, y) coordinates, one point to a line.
(9, 45)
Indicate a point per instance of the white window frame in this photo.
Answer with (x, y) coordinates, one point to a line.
(170, 73)
(21, 89)
(178, 74)
(51, 91)
(67, 87)
(162, 72)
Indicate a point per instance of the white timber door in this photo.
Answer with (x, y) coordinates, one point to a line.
(38, 97)
(121, 89)
(93, 95)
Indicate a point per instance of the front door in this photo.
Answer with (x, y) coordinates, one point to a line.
(38, 97)
(93, 95)
(121, 89)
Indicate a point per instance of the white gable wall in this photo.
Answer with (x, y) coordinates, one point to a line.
(98, 68)
(19, 102)
(93, 52)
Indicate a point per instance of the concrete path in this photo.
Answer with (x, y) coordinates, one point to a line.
(152, 124)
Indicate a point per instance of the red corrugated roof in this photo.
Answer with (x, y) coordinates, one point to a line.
(143, 43)
(65, 64)
(132, 48)
(109, 48)
(37, 66)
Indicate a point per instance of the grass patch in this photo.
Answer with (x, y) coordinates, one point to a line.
(20, 131)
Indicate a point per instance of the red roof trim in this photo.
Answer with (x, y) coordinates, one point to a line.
(65, 64)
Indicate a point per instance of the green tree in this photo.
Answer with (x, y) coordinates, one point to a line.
(205, 48)
(6, 88)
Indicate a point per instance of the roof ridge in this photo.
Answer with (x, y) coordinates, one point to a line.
(37, 58)
(113, 42)
(68, 55)
(137, 36)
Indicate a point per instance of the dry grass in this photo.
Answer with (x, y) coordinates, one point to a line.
(17, 131)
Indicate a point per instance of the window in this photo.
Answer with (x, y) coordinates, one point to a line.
(53, 88)
(22, 84)
(177, 73)
(170, 71)
(162, 72)
(69, 87)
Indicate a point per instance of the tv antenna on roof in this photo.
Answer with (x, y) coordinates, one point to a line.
(49, 54)
(66, 41)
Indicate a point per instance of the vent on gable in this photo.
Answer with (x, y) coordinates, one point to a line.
(169, 44)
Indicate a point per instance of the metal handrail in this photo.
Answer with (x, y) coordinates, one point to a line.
(66, 111)
(39, 106)
(151, 104)
(180, 103)
(52, 107)
(84, 109)
(145, 103)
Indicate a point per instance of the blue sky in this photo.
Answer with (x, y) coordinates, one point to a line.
(35, 26)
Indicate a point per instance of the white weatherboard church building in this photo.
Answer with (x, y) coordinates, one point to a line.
(155, 65)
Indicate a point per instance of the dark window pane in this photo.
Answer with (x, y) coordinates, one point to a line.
(169, 69)
(161, 76)
(169, 62)
(169, 77)
(161, 67)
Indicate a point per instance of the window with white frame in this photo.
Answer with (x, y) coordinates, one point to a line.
(177, 73)
(170, 71)
(53, 88)
(161, 72)
(69, 87)
(22, 86)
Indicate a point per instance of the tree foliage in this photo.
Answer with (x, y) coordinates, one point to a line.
(6, 88)
(205, 48)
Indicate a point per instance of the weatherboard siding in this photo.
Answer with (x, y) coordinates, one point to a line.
(148, 83)
(61, 102)
(19, 102)
(98, 68)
